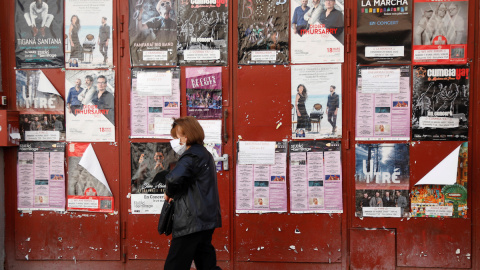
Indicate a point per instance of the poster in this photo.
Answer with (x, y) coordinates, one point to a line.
(382, 175)
(38, 34)
(90, 105)
(204, 92)
(440, 32)
(41, 107)
(263, 188)
(262, 32)
(316, 37)
(148, 159)
(88, 34)
(440, 103)
(383, 103)
(316, 177)
(202, 33)
(151, 113)
(41, 176)
(317, 101)
(88, 189)
(153, 32)
(384, 31)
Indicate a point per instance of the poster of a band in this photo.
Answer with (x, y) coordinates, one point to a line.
(382, 173)
(88, 189)
(317, 34)
(204, 92)
(384, 31)
(90, 105)
(39, 33)
(440, 32)
(316, 101)
(41, 107)
(153, 32)
(262, 188)
(440, 103)
(153, 105)
(88, 34)
(202, 32)
(383, 103)
(148, 159)
(41, 176)
(263, 32)
(316, 177)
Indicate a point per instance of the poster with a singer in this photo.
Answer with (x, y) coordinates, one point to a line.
(316, 31)
(263, 32)
(88, 34)
(90, 105)
(384, 31)
(202, 30)
(440, 103)
(440, 32)
(153, 32)
(39, 34)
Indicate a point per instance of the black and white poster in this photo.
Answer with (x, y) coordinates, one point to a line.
(202, 32)
(39, 34)
(263, 32)
(384, 31)
(440, 103)
(153, 32)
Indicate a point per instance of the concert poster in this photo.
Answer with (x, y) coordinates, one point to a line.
(204, 92)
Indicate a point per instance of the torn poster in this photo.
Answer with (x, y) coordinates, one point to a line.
(262, 32)
(148, 159)
(41, 107)
(440, 103)
(440, 32)
(88, 34)
(153, 32)
(317, 34)
(204, 92)
(316, 177)
(90, 105)
(382, 173)
(317, 101)
(202, 32)
(151, 108)
(383, 103)
(433, 200)
(88, 189)
(39, 34)
(384, 32)
(41, 176)
(263, 188)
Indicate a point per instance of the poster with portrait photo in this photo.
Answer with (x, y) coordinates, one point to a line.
(147, 160)
(316, 101)
(88, 189)
(42, 126)
(39, 33)
(263, 32)
(440, 103)
(384, 32)
(90, 105)
(153, 32)
(317, 31)
(382, 168)
(440, 32)
(202, 33)
(88, 34)
(204, 92)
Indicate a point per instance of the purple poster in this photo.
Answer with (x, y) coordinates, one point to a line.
(204, 92)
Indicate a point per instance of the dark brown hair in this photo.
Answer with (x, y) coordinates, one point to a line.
(190, 128)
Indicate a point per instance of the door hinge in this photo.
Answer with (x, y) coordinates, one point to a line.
(122, 21)
(347, 41)
(124, 255)
(348, 17)
(122, 47)
(124, 230)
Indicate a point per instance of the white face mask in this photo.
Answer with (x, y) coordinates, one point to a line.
(177, 147)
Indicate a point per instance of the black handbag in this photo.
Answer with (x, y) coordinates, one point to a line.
(165, 222)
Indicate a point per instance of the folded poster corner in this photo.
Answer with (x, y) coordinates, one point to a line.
(444, 173)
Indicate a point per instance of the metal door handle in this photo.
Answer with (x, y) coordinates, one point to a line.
(223, 159)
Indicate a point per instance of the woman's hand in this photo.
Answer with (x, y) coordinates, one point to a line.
(167, 199)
